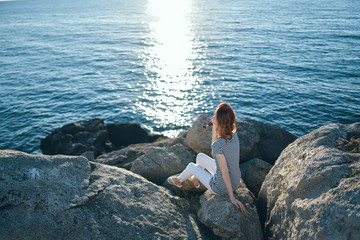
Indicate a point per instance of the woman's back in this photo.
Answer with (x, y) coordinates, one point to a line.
(231, 150)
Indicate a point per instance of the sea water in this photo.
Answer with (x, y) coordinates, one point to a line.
(160, 63)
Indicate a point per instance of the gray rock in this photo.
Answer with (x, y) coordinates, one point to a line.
(159, 163)
(260, 140)
(29, 182)
(125, 157)
(62, 197)
(253, 173)
(199, 138)
(228, 222)
(313, 190)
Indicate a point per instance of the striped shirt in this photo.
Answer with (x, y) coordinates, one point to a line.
(231, 151)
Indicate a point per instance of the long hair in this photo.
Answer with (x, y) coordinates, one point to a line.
(225, 117)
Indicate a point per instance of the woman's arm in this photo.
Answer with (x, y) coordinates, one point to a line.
(225, 174)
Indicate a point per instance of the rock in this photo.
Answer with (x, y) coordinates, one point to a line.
(72, 128)
(260, 140)
(187, 191)
(94, 124)
(124, 134)
(199, 138)
(93, 135)
(253, 173)
(125, 157)
(313, 190)
(159, 163)
(62, 197)
(122, 158)
(89, 155)
(35, 183)
(228, 222)
(77, 138)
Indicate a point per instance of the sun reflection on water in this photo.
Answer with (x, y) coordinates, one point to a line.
(170, 94)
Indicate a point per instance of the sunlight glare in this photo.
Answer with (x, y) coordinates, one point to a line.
(168, 60)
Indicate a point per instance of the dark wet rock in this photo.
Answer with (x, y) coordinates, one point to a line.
(124, 134)
(89, 155)
(93, 135)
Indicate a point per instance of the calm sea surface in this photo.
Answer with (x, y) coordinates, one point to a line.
(160, 63)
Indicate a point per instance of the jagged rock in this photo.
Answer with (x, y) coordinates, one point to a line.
(253, 173)
(228, 222)
(198, 137)
(157, 163)
(62, 197)
(93, 135)
(313, 190)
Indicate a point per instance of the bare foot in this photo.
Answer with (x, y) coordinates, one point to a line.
(195, 181)
(174, 181)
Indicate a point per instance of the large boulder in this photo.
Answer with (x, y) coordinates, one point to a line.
(253, 173)
(158, 163)
(198, 137)
(313, 190)
(260, 140)
(93, 136)
(228, 222)
(62, 197)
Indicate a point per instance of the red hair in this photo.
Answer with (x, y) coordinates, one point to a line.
(225, 117)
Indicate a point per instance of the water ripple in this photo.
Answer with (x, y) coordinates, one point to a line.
(162, 62)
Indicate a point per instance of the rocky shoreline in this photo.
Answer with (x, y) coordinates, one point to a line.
(98, 182)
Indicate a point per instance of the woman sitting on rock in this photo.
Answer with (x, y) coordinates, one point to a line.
(223, 174)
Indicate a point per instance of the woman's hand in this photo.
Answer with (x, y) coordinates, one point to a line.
(238, 204)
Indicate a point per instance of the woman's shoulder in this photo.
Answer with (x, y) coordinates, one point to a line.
(220, 141)
(235, 136)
